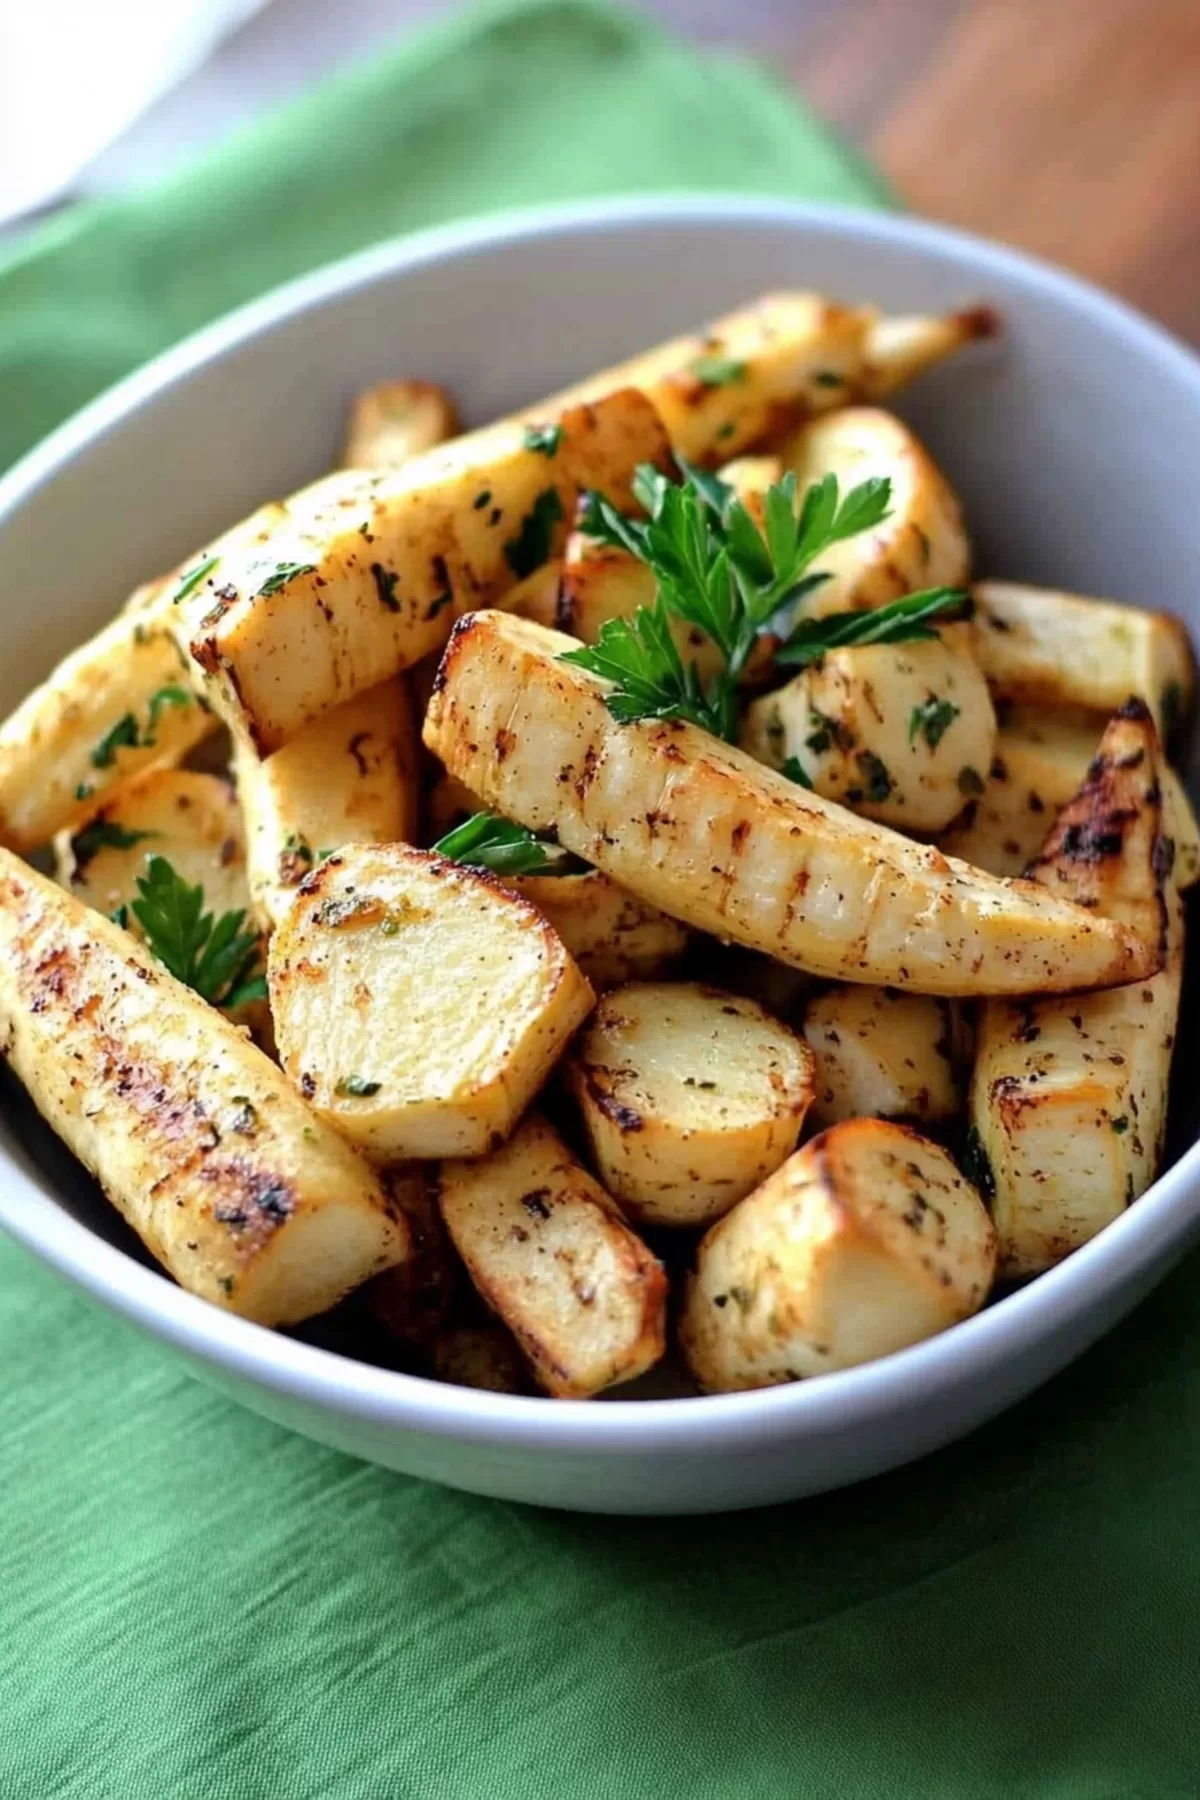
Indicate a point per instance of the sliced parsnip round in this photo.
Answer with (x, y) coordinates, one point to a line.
(549, 1252)
(922, 542)
(191, 819)
(612, 935)
(882, 1055)
(419, 1005)
(903, 733)
(690, 1097)
(351, 777)
(865, 1241)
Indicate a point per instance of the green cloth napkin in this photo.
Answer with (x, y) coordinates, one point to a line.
(195, 1605)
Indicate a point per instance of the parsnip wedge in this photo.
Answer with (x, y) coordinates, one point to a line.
(723, 390)
(1068, 1097)
(1040, 759)
(549, 1252)
(119, 705)
(611, 934)
(419, 1005)
(395, 421)
(700, 829)
(1051, 649)
(364, 573)
(882, 1055)
(902, 733)
(864, 1242)
(690, 1097)
(351, 777)
(923, 540)
(190, 818)
(196, 1138)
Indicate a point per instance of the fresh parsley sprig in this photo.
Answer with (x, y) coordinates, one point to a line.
(716, 569)
(903, 621)
(216, 958)
(486, 841)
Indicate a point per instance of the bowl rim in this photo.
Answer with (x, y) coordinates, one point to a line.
(397, 1402)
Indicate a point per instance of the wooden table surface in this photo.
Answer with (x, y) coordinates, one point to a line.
(1067, 127)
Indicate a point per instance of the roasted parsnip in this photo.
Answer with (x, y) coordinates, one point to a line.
(1052, 649)
(611, 934)
(882, 1055)
(757, 370)
(923, 540)
(690, 1097)
(395, 421)
(903, 733)
(1068, 1097)
(351, 777)
(1041, 758)
(363, 574)
(865, 1241)
(419, 1005)
(116, 707)
(549, 1252)
(190, 818)
(225, 1174)
(697, 827)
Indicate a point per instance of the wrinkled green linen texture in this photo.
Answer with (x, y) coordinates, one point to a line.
(196, 1605)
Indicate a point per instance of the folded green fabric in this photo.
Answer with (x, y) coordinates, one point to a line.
(195, 1605)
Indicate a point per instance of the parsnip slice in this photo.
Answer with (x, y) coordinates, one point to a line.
(610, 933)
(724, 389)
(419, 1005)
(690, 1098)
(548, 1250)
(190, 818)
(395, 421)
(364, 574)
(698, 828)
(225, 1174)
(923, 540)
(351, 777)
(1052, 649)
(1068, 1097)
(882, 1055)
(864, 1242)
(116, 707)
(903, 733)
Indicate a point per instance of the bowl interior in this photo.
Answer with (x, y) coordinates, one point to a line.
(1071, 442)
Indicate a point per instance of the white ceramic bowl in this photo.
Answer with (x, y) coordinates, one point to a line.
(1074, 446)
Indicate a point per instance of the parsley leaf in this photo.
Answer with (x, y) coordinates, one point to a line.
(123, 735)
(486, 841)
(166, 696)
(191, 581)
(357, 1087)
(544, 439)
(901, 622)
(932, 719)
(641, 658)
(717, 371)
(102, 834)
(219, 960)
(282, 574)
(795, 771)
(531, 546)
